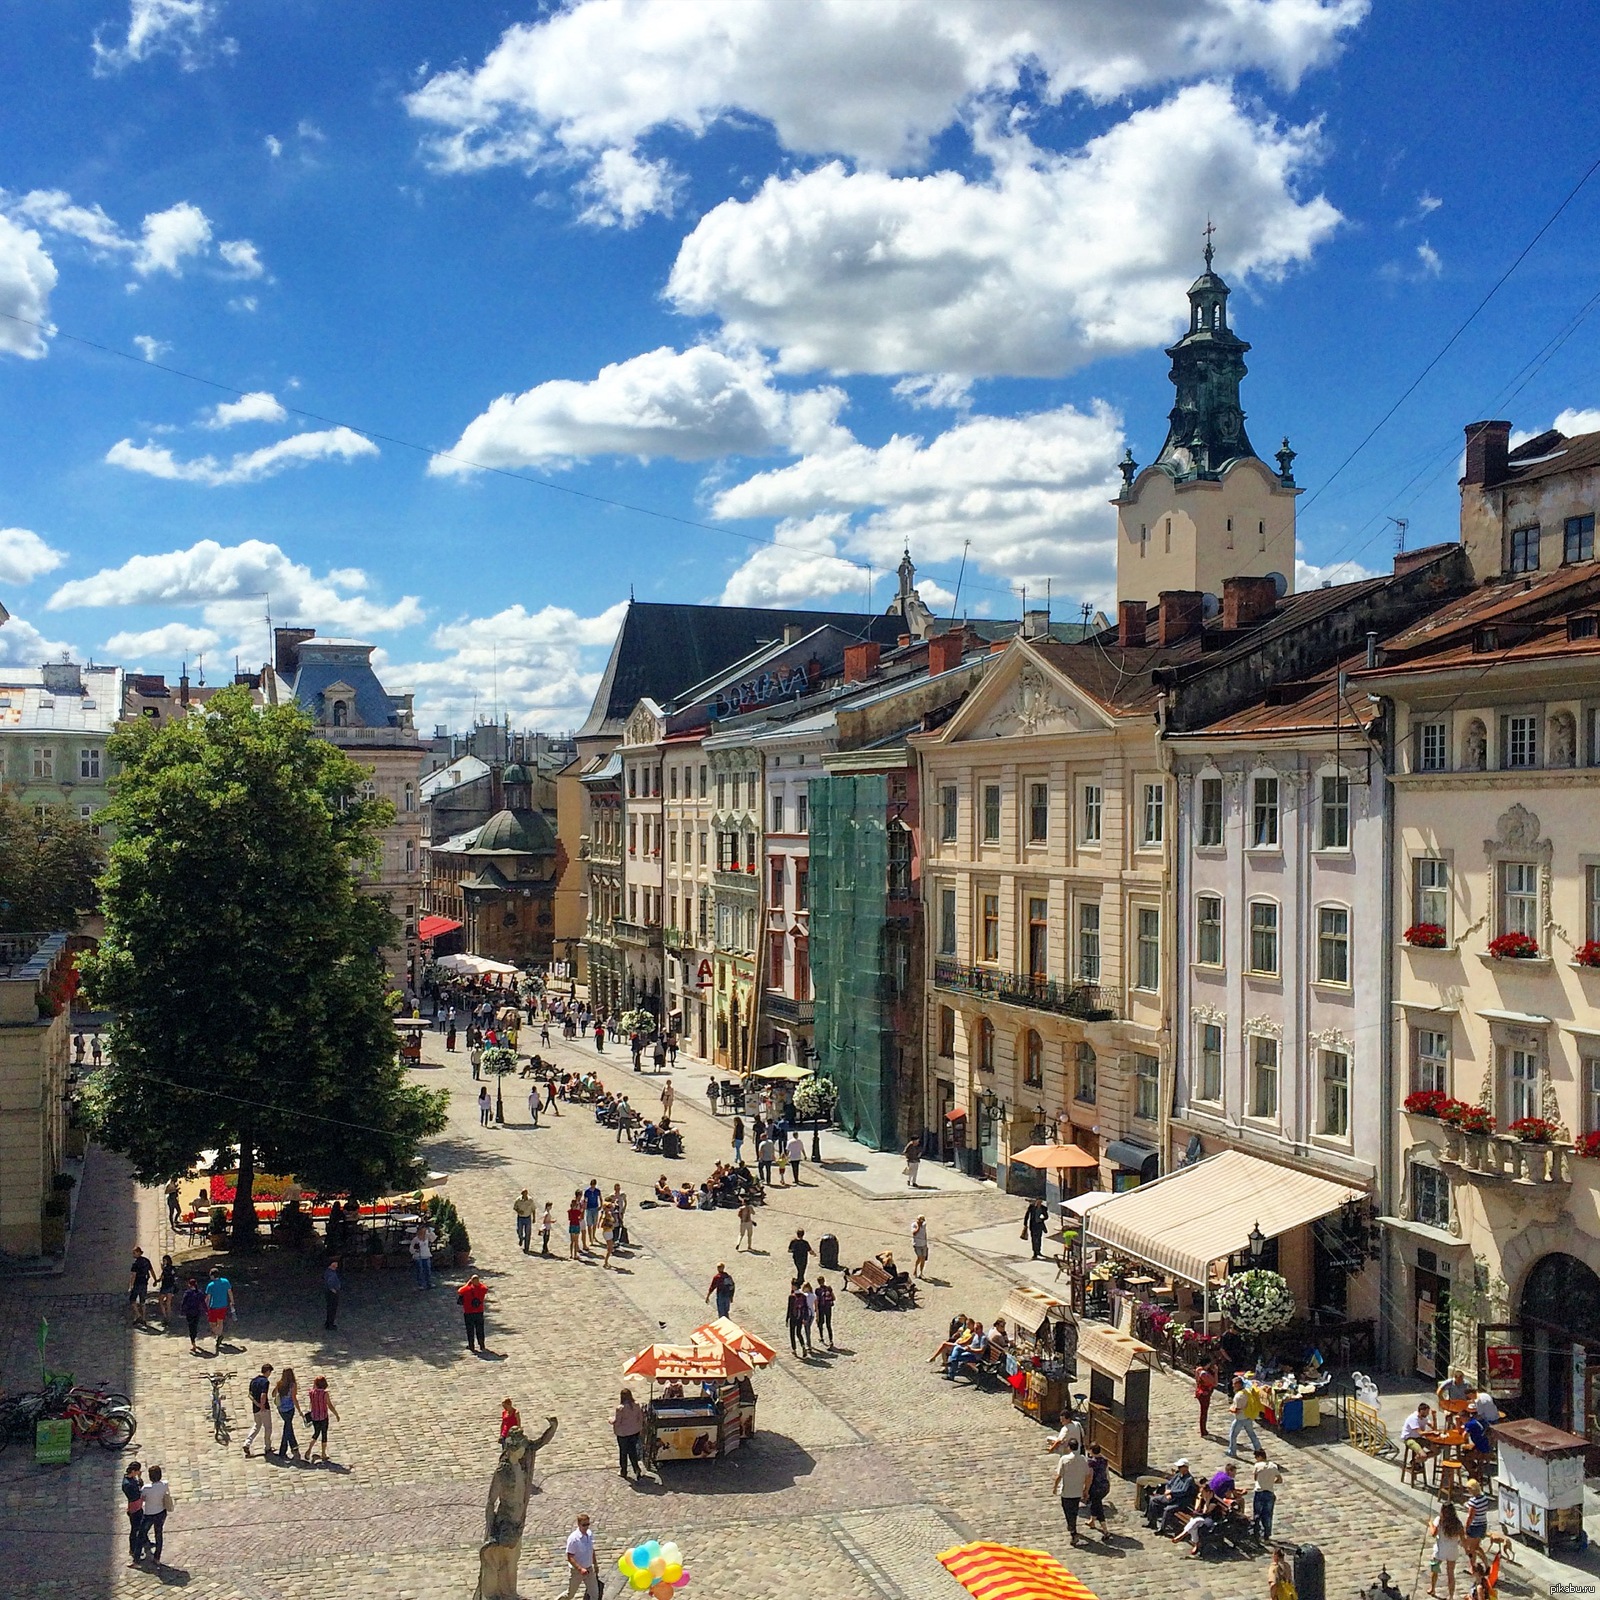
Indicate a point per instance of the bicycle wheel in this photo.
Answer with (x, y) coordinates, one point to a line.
(221, 1426)
(116, 1430)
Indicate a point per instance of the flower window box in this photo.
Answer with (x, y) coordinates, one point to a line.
(1514, 947)
(1425, 936)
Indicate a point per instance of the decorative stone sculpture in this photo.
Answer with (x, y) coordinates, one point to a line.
(1475, 747)
(505, 1512)
(1563, 739)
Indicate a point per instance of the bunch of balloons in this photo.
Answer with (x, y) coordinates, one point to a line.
(654, 1567)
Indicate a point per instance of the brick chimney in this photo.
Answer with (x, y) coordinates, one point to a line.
(1036, 624)
(1130, 624)
(1179, 614)
(860, 661)
(286, 644)
(1488, 444)
(945, 650)
(1245, 601)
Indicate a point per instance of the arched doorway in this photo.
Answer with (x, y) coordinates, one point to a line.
(1560, 1309)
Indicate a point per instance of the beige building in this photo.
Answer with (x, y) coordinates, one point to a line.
(35, 978)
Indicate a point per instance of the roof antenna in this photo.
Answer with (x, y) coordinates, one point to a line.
(966, 545)
(1400, 526)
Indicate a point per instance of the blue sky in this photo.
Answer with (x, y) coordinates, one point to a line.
(834, 275)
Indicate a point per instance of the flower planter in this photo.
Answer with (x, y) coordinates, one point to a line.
(1455, 1143)
(1587, 954)
(1514, 947)
(1425, 936)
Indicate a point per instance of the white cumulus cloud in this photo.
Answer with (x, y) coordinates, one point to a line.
(257, 406)
(686, 405)
(180, 28)
(169, 238)
(233, 585)
(151, 349)
(802, 567)
(242, 256)
(250, 466)
(24, 556)
(172, 640)
(22, 645)
(622, 188)
(1312, 574)
(1576, 420)
(27, 275)
(1055, 261)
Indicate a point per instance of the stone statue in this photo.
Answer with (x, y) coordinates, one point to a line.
(504, 1513)
(1563, 739)
(1475, 747)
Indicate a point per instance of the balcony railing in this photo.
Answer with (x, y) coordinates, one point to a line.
(1086, 1001)
(16, 949)
(637, 932)
(1494, 1158)
(784, 1008)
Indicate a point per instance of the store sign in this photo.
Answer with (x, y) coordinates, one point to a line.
(1504, 1364)
(782, 683)
(702, 977)
(52, 1442)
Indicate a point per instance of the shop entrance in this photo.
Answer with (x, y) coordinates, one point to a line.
(1560, 1313)
(1432, 1308)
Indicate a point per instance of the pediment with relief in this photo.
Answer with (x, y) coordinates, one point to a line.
(1032, 706)
(642, 727)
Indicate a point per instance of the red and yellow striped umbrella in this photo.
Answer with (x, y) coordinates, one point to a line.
(1003, 1572)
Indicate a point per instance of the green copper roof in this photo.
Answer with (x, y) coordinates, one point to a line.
(515, 833)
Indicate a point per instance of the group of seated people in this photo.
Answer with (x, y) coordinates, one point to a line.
(652, 1137)
(968, 1342)
(1187, 1508)
(614, 1111)
(1424, 1433)
(728, 1185)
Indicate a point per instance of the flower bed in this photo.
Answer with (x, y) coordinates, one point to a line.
(1427, 1103)
(1514, 947)
(1533, 1130)
(1425, 936)
(1588, 953)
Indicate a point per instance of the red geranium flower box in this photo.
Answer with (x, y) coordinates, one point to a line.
(1467, 1117)
(1514, 947)
(1588, 953)
(1589, 1145)
(1427, 1103)
(1533, 1130)
(1425, 936)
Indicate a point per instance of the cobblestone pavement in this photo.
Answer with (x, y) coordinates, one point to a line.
(865, 1465)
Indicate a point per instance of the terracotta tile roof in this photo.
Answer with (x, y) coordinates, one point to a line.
(1528, 599)
(1311, 706)
(1548, 454)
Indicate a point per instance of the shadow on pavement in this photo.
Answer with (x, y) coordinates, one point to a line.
(768, 1464)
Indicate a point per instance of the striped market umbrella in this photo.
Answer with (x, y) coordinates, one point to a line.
(1003, 1572)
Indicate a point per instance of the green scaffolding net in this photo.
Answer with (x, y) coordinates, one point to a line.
(848, 902)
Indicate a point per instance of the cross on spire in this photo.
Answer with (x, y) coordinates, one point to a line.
(1210, 229)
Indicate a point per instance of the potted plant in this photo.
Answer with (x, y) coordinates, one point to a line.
(1533, 1130)
(460, 1243)
(1588, 953)
(53, 1225)
(1425, 936)
(374, 1249)
(1257, 1301)
(217, 1226)
(1476, 1121)
(1427, 1103)
(1514, 947)
(1589, 1145)
(816, 1097)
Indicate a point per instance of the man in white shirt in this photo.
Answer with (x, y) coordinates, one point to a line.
(1265, 1476)
(581, 1574)
(1072, 1479)
(422, 1255)
(1071, 1434)
(796, 1154)
(157, 1503)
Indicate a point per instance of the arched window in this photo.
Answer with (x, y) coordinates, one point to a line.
(341, 713)
(983, 1039)
(1032, 1060)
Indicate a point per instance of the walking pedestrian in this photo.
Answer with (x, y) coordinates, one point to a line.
(1099, 1488)
(722, 1288)
(919, 1247)
(450, 1037)
(533, 1103)
(1240, 1403)
(485, 1106)
(581, 1572)
(174, 1201)
(287, 1393)
(472, 1295)
(167, 1289)
(261, 1410)
(140, 1272)
(610, 1231)
(796, 1153)
(1205, 1385)
(157, 1502)
(77, 1048)
(591, 1213)
(738, 1140)
(747, 1227)
(1073, 1473)
(193, 1307)
(800, 1252)
(133, 1494)
(825, 1298)
(668, 1094)
(600, 1037)
(219, 1302)
(1280, 1580)
(1265, 1476)
(475, 1056)
(795, 1315)
(546, 1223)
(319, 1407)
(332, 1284)
(913, 1155)
(1446, 1529)
(766, 1154)
(1034, 1221)
(524, 1207)
(544, 1034)
(550, 1099)
(422, 1254)
(627, 1423)
(659, 1054)
(95, 1053)
(574, 1224)
(713, 1095)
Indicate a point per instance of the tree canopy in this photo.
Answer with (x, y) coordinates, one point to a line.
(242, 964)
(48, 867)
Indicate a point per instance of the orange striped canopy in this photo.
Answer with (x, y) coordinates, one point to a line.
(1003, 1572)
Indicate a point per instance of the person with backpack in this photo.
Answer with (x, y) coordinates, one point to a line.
(193, 1308)
(722, 1287)
(796, 1317)
(1245, 1404)
(825, 1300)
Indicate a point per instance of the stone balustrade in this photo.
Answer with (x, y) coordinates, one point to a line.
(1496, 1157)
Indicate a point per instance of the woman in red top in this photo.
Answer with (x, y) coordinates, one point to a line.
(508, 1418)
(1205, 1381)
(319, 1405)
(574, 1225)
(472, 1295)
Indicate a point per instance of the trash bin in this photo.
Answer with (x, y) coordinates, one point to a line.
(1310, 1576)
(828, 1252)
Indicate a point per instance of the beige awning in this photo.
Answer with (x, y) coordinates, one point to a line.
(1113, 1352)
(1028, 1310)
(1204, 1213)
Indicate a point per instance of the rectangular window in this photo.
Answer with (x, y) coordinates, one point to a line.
(947, 813)
(775, 957)
(1430, 1195)
(991, 813)
(947, 921)
(672, 921)
(1590, 1085)
(633, 781)
(750, 852)
(1430, 1060)
(1334, 813)
(990, 936)
(1591, 902)
(655, 782)
(722, 791)
(1038, 937)
(703, 783)
(89, 764)
(1432, 750)
(1522, 1084)
(1085, 1073)
(672, 783)
(802, 884)
(1335, 1094)
(1038, 812)
(1519, 898)
(1154, 829)
(633, 904)
(1333, 944)
(1578, 543)
(899, 862)
(1208, 930)
(802, 970)
(44, 761)
(947, 1031)
(672, 845)
(1264, 814)
(702, 847)
(1522, 550)
(410, 796)
(1519, 741)
(1210, 834)
(633, 836)
(411, 855)
(1432, 903)
(775, 883)
(1089, 942)
(802, 815)
(1148, 937)
(1210, 1085)
(1146, 1087)
(1091, 813)
(777, 813)
(1263, 1077)
(1264, 937)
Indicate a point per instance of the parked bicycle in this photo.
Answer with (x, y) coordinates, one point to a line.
(221, 1422)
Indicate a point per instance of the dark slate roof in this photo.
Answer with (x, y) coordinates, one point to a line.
(662, 648)
(324, 662)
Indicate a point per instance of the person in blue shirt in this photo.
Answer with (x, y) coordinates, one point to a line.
(332, 1283)
(219, 1302)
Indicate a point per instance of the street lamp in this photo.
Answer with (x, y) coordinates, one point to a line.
(1257, 1241)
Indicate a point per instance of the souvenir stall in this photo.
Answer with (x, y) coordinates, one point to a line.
(702, 1403)
(1119, 1396)
(1044, 1346)
(1541, 1482)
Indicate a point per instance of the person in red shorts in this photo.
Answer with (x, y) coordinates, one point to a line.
(219, 1302)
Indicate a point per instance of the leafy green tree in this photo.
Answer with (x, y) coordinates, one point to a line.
(244, 966)
(48, 868)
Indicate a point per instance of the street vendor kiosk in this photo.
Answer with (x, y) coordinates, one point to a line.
(410, 1031)
(1119, 1396)
(1541, 1482)
(707, 1405)
(1044, 1344)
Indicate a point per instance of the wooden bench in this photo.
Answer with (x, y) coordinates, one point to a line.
(874, 1285)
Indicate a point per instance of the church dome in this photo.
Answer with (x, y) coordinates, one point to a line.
(516, 832)
(515, 773)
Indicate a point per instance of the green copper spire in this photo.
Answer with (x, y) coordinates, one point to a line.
(1206, 426)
